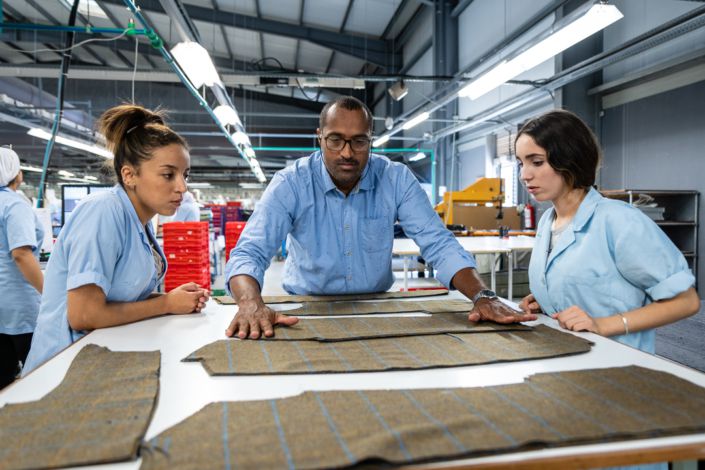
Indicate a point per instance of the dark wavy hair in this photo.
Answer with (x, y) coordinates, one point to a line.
(133, 133)
(571, 147)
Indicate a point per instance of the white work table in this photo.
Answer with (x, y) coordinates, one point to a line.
(186, 387)
(495, 246)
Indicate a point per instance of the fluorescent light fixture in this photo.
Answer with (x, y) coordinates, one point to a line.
(90, 178)
(42, 134)
(595, 19)
(417, 157)
(415, 121)
(257, 170)
(381, 141)
(30, 168)
(241, 138)
(246, 185)
(204, 184)
(227, 115)
(65, 173)
(195, 62)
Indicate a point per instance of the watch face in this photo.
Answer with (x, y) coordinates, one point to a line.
(484, 294)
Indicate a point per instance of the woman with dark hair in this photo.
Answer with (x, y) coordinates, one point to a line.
(106, 262)
(598, 264)
(21, 236)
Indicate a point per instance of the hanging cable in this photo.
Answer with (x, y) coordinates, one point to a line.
(67, 49)
(134, 69)
(65, 62)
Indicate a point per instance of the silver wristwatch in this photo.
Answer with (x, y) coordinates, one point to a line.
(484, 294)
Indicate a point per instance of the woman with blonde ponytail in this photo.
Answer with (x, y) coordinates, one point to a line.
(106, 262)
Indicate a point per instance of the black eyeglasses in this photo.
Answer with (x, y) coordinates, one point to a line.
(337, 143)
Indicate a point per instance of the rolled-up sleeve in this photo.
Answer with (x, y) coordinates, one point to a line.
(648, 259)
(422, 224)
(269, 224)
(93, 254)
(20, 226)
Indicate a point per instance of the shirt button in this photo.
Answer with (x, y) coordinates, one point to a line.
(349, 278)
(348, 253)
(347, 227)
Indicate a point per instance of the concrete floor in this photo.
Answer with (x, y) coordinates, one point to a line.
(681, 342)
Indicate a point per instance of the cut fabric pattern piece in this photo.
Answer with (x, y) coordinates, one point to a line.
(309, 309)
(346, 428)
(297, 299)
(248, 357)
(355, 328)
(99, 413)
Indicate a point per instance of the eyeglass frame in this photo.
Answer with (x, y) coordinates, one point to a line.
(348, 142)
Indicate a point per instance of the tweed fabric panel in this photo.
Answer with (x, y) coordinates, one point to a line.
(345, 428)
(309, 309)
(99, 413)
(355, 328)
(297, 299)
(248, 357)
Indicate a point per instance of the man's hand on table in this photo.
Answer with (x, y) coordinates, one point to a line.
(254, 320)
(486, 309)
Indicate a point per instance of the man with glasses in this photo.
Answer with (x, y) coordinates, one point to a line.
(337, 209)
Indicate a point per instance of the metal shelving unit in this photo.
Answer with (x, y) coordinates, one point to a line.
(680, 222)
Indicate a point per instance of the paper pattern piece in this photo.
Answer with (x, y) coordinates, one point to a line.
(355, 328)
(258, 357)
(344, 428)
(297, 299)
(308, 309)
(99, 413)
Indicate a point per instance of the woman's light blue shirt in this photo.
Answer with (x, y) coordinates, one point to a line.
(103, 243)
(19, 226)
(612, 260)
(340, 244)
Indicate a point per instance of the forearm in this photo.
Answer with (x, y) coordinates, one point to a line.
(653, 315)
(468, 282)
(29, 267)
(245, 289)
(90, 316)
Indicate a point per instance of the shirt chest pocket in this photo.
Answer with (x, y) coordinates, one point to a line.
(377, 235)
(132, 278)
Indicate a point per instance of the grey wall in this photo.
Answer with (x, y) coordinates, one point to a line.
(658, 143)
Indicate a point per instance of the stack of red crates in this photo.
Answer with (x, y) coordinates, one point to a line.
(186, 251)
(217, 222)
(231, 212)
(233, 230)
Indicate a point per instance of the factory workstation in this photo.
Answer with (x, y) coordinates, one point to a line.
(305, 234)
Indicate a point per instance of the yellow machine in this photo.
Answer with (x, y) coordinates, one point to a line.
(482, 191)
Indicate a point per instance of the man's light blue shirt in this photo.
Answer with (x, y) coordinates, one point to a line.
(103, 243)
(612, 259)
(19, 227)
(340, 244)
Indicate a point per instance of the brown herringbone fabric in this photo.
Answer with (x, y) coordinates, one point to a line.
(344, 428)
(238, 357)
(297, 299)
(99, 413)
(309, 309)
(356, 328)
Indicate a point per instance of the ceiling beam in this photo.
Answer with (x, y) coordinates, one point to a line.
(377, 51)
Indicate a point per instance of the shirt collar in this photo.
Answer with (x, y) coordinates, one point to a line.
(366, 180)
(586, 209)
(130, 209)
